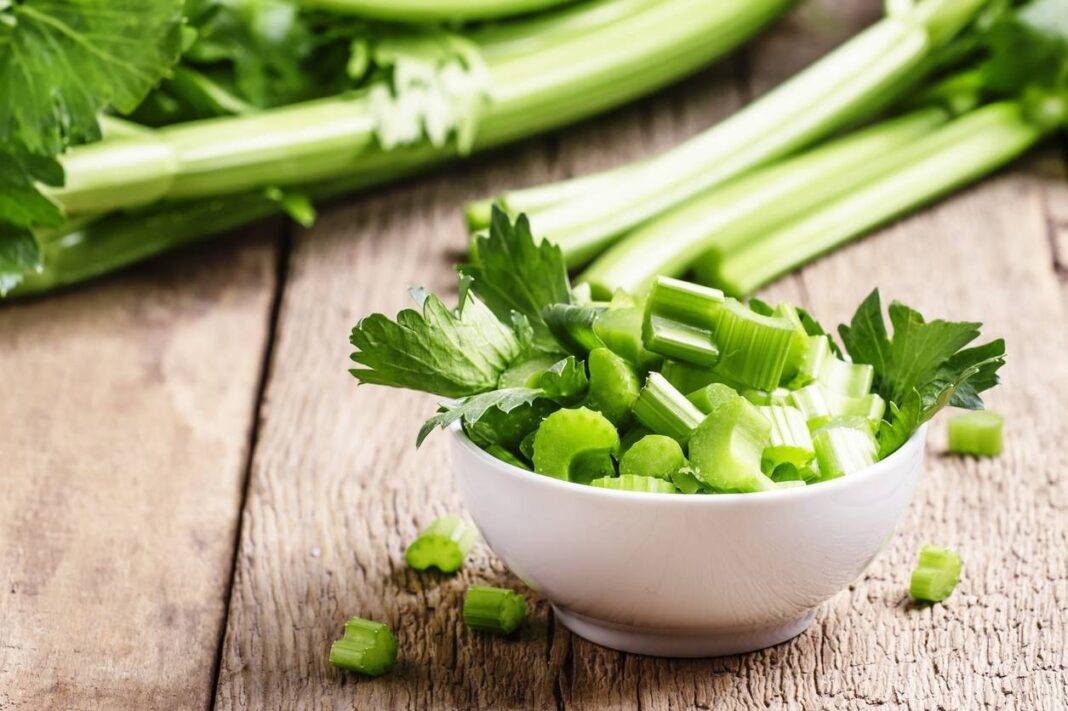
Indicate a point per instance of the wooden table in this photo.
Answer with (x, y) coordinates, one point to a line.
(194, 494)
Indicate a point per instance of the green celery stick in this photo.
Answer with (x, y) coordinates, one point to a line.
(494, 610)
(367, 647)
(753, 348)
(976, 433)
(444, 545)
(849, 379)
(614, 385)
(726, 448)
(567, 439)
(790, 439)
(937, 573)
(711, 396)
(620, 329)
(685, 481)
(843, 446)
(817, 352)
(631, 482)
(654, 455)
(665, 410)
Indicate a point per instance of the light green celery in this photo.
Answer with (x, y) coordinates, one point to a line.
(526, 373)
(680, 341)
(844, 446)
(687, 483)
(962, 151)
(844, 378)
(684, 301)
(850, 83)
(711, 396)
(494, 610)
(799, 343)
(568, 442)
(614, 385)
(572, 325)
(790, 439)
(421, 11)
(820, 405)
(815, 401)
(687, 378)
(630, 482)
(620, 329)
(726, 217)
(654, 455)
(778, 396)
(936, 574)
(367, 647)
(679, 317)
(976, 433)
(665, 410)
(725, 449)
(753, 348)
(817, 351)
(444, 545)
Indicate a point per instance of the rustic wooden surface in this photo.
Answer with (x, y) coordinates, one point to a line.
(150, 417)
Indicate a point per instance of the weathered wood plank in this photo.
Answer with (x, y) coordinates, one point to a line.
(126, 407)
(337, 489)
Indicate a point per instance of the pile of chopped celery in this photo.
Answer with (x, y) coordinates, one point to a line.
(677, 390)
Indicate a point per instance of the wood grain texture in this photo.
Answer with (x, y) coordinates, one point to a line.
(337, 490)
(126, 411)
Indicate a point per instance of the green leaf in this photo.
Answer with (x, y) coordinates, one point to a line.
(959, 381)
(63, 61)
(471, 409)
(19, 253)
(21, 204)
(510, 271)
(1028, 46)
(899, 424)
(814, 328)
(565, 381)
(453, 353)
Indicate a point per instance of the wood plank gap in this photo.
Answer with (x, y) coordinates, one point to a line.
(282, 257)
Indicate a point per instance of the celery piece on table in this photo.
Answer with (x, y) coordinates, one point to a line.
(569, 441)
(367, 647)
(654, 455)
(665, 410)
(726, 448)
(976, 433)
(711, 396)
(494, 610)
(444, 545)
(632, 482)
(937, 572)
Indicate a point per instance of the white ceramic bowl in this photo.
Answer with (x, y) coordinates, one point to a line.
(685, 576)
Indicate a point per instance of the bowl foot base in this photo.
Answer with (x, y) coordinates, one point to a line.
(640, 640)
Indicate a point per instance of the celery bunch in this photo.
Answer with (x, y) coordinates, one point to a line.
(683, 390)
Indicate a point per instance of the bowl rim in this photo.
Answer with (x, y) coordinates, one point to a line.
(909, 449)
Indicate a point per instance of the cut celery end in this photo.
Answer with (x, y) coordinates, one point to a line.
(587, 466)
(726, 448)
(753, 348)
(654, 455)
(798, 343)
(809, 473)
(367, 648)
(711, 396)
(444, 545)
(573, 437)
(685, 481)
(848, 379)
(817, 351)
(844, 446)
(635, 483)
(815, 402)
(614, 386)
(936, 575)
(684, 301)
(572, 324)
(789, 484)
(494, 610)
(685, 377)
(680, 341)
(790, 440)
(631, 437)
(778, 396)
(978, 433)
(665, 410)
(620, 329)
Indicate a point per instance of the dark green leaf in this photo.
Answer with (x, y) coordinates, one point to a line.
(21, 203)
(19, 253)
(471, 409)
(899, 424)
(565, 382)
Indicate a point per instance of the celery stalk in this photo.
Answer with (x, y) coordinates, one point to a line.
(962, 151)
(976, 433)
(726, 448)
(494, 610)
(665, 410)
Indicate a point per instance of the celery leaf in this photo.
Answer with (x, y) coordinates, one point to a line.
(473, 408)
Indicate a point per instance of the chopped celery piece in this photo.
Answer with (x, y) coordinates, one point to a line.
(871, 407)
(367, 647)
(843, 446)
(588, 466)
(653, 455)
(620, 329)
(526, 445)
(798, 342)
(665, 410)
(675, 339)
(684, 301)
(976, 433)
(630, 482)
(614, 385)
(817, 350)
(849, 379)
(937, 573)
(814, 402)
(572, 324)
(790, 440)
(725, 449)
(494, 610)
(631, 437)
(443, 544)
(753, 348)
(687, 483)
(710, 396)
(789, 484)
(565, 435)
(778, 396)
(525, 374)
(821, 405)
(685, 377)
(505, 456)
